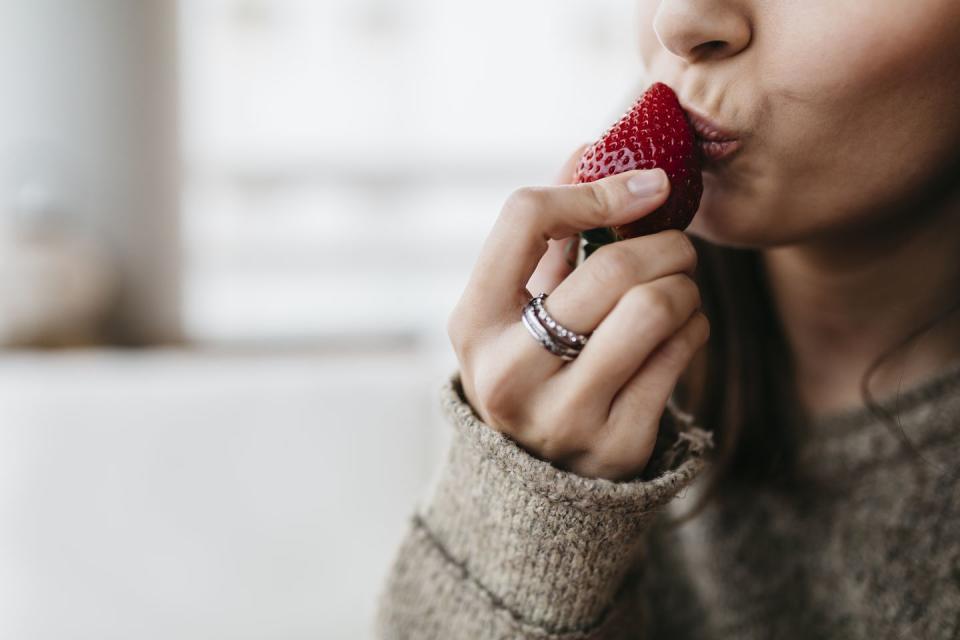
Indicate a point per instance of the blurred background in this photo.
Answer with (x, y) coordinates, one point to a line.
(231, 232)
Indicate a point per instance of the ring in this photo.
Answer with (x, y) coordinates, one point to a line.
(557, 330)
(540, 333)
(553, 336)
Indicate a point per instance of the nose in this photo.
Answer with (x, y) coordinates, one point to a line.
(700, 30)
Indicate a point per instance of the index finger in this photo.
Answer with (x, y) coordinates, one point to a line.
(534, 215)
(558, 261)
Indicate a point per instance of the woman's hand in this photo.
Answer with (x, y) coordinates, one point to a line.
(597, 415)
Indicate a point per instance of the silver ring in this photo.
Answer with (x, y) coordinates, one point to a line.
(547, 331)
(557, 330)
(539, 332)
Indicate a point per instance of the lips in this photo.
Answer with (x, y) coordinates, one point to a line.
(715, 143)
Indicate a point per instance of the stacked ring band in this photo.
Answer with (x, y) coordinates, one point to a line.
(553, 336)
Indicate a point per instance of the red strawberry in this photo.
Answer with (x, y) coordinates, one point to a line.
(654, 133)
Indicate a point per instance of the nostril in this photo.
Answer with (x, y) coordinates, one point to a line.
(694, 34)
(711, 48)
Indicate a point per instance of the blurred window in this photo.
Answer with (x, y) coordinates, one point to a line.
(345, 158)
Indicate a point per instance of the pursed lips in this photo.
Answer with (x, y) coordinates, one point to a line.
(715, 143)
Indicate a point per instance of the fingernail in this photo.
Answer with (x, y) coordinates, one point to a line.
(647, 183)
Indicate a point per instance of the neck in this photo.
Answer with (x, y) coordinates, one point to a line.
(845, 301)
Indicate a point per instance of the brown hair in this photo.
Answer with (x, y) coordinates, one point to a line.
(747, 396)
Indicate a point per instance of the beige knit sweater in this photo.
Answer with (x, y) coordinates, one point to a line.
(508, 546)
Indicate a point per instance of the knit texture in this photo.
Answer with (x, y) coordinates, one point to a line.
(868, 545)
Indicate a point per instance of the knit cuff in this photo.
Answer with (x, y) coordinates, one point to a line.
(548, 545)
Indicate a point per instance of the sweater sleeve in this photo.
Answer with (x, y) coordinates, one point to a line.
(509, 546)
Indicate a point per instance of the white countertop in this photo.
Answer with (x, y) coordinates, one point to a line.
(192, 494)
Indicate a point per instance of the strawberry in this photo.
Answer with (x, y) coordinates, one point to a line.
(654, 133)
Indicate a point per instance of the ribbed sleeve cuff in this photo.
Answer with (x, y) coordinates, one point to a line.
(548, 545)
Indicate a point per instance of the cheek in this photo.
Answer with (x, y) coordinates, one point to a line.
(854, 111)
(831, 47)
(837, 83)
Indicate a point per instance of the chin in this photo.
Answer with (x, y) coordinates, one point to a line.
(729, 219)
(721, 223)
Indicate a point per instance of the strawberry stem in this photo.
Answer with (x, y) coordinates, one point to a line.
(596, 238)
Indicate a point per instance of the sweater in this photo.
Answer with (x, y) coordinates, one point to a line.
(505, 545)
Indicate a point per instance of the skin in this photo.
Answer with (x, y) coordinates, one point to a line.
(846, 113)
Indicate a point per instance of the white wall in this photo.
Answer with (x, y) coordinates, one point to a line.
(346, 158)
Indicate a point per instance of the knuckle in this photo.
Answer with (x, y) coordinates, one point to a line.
(684, 246)
(564, 427)
(650, 304)
(690, 289)
(566, 423)
(523, 204)
(600, 202)
(552, 441)
(613, 263)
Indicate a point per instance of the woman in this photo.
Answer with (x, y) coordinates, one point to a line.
(809, 328)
